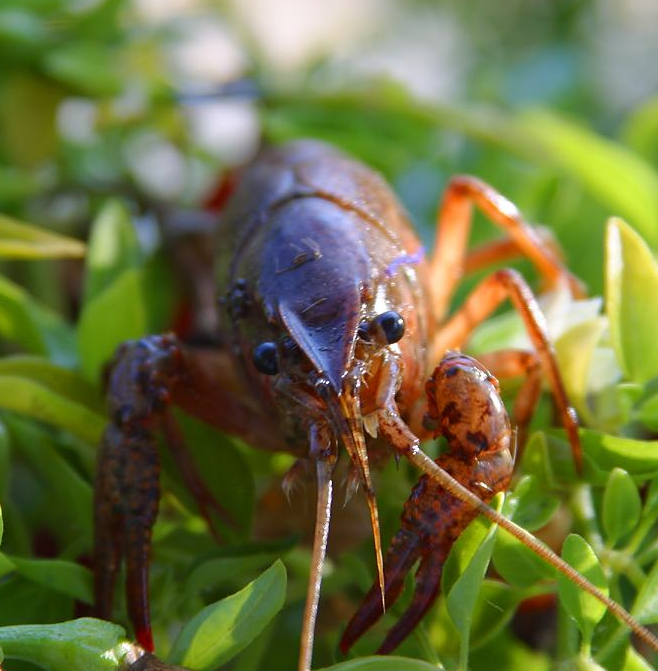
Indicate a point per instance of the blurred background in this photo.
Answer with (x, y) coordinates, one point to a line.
(148, 102)
(153, 99)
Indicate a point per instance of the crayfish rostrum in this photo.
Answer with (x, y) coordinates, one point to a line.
(332, 333)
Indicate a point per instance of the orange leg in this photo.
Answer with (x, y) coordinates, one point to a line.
(453, 228)
(484, 299)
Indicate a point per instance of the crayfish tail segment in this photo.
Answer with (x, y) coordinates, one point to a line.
(401, 556)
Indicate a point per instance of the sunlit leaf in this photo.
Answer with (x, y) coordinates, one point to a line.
(621, 506)
(631, 301)
(221, 630)
(112, 249)
(645, 608)
(582, 606)
(113, 316)
(34, 399)
(23, 241)
(620, 179)
(382, 664)
(85, 644)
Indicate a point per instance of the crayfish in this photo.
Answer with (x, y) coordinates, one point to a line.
(329, 322)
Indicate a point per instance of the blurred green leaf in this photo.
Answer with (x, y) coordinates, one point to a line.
(647, 412)
(36, 328)
(57, 379)
(113, 248)
(31, 398)
(115, 315)
(631, 301)
(581, 606)
(85, 644)
(88, 68)
(620, 179)
(621, 506)
(67, 493)
(28, 106)
(221, 630)
(2, 527)
(382, 664)
(62, 576)
(23, 241)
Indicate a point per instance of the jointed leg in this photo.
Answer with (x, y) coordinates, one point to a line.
(453, 227)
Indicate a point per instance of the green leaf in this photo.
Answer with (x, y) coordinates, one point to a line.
(2, 526)
(638, 457)
(88, 68)
(23, 241)
(115, 315)
(494, 608)
(382, 664)
(224, 471)
(631, 301)
(85, 644)
(530, 506)
(220, 631)
(62, 576)
(575, 349)
(621, 506)
(586, 610)
(37, 329)
(113, 249)
(462, 597)
(67, 496)
(620, 179)
(645, 608)
(647, 412)
(62, 381)
(34, 399)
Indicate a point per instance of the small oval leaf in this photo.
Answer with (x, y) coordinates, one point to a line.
(77, 645)
(621, 506)
(631, 300)
(221, 630)
(377, 663)
(581, 606)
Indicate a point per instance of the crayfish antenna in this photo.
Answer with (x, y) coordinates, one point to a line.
(325, 460)
(350, 429)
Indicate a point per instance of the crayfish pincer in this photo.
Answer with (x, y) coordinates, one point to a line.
(329, 320)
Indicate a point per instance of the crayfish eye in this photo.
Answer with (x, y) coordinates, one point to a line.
(388, 326)
(265, 358)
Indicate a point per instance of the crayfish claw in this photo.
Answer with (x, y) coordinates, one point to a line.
(401, 556)
(428, 584)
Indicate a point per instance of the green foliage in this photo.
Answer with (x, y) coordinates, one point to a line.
(562, 162)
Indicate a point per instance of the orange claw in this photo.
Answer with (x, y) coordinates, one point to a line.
(465, 405)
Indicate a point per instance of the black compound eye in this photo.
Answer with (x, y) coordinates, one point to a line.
(265, 358)
(388, 325)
